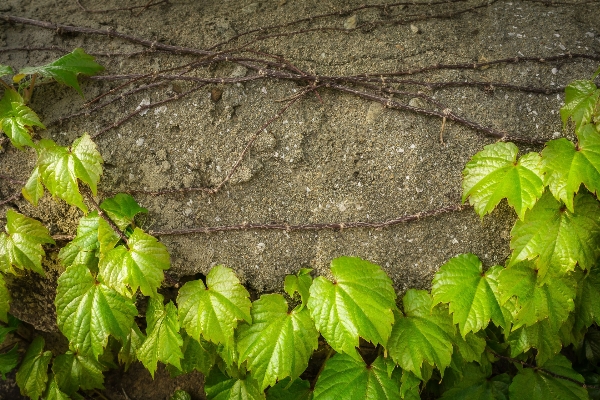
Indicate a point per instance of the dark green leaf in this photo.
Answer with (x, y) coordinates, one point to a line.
(580, 100)
(494, 173)
(214, 310)
(73, 371)
(471, 347)
(345, 378)
(33, 372)
(199, 356)
(425, 334)
(540, 336)
(472, 295)
(54, 393)
(409, 386)
(298, 390)
(221, 387)
(299, 283)
(4, 301)
(163, 341)
(587, 306)
(558, 238)
(566, 167)
(539, 385)
(279, 343)
(88, 311)
(9, 361)
(478, 386)
(22, 247)
(17, 120)
(65, 69)
(359, 303)
(127, 354)
(122, 209)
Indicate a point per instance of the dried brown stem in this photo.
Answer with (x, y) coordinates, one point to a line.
(143, 8)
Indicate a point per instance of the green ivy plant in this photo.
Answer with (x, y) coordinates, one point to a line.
(528, 329)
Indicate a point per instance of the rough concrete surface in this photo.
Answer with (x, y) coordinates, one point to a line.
(337, 158)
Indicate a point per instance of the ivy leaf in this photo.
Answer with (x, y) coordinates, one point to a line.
(299, 389)
(540, 336)
(60, 167)
(4, 300)
(65, 69)
(6, 70)
(163, 342)
(552, 300)
(559, 238)
(279, 343)
(471, 347)
(587, 306)
(33, 190)
(84, 247)
(88, 311)
(538, 385)
(140, 266)
(122, 209)
(425, 334)
(107, 238)
(472, 295)
(213, 311)
(345, 378)
(566, 167)
(73, 371)
(22, 247)
(127, 354)
(580, 99)
(359, 303)
(17, 120)
(299, 283)
(409, 386)
(33, 372)
(494, 173)
(53, 392)
(220, 387)
(9, 361)
(181, 395)
(197, 355)
(476, 385)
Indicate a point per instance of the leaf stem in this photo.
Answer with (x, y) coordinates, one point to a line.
(102, 214)
(545, 371)
(29, 91)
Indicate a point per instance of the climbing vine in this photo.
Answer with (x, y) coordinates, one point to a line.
(525, 329)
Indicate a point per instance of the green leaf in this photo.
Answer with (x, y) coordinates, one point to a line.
(580, 100)
(540, 336)
(494, 174)
(200, 356)
(279, 343)
(17, 120)
(299, 283)
(409, 386)
(107, 238)
(88, 311)
(359, 303)
(65, 69)
(538, 385)
(141, 266)
(128, 353)
(221, 387)
(122, 209)
(73, 371)
(345, 378)
(587, 306)
(471, 347)
(33, 190)
(84, 247)
(6, 70)
(4, 301)
(54, 393)
(9, 361)
(181, 395)
(472, 295)
(22, 247)
(163, 342)
(425, 334)
(33, 372)
(299, 389)
(213, 311)
(60, 167)
(478, 386)
(566, 167)
(557, 237)
(537, 300)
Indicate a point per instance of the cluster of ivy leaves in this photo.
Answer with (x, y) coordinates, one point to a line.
(527, 329)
